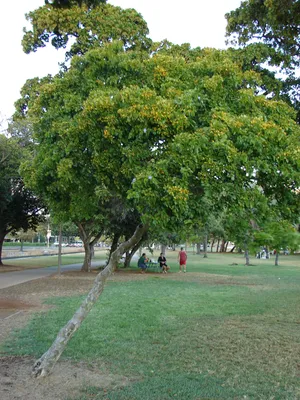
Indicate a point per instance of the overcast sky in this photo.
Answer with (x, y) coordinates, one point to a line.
(198, 22)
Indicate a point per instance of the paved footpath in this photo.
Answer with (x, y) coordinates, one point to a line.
(8, 279)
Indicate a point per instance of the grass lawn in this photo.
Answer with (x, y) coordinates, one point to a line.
(220, 331)
(50, 261)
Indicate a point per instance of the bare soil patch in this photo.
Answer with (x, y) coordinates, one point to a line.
(66, 380)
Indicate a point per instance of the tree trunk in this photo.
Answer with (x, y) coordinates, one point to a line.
(247, 257)
(131, 253)
(205, 246)
(276, 258)
(226, 246)
(1, 247)
(212, 245)
(218, 244)
(45, 364)
(198, 248)
(232, 250)
(88, 244)
(87, 263)
(163, 248)
(127, 260)
(114, 245)
(59, 250)
(222, 248)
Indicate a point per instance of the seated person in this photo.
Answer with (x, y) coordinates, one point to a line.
(142, 262)
(163, 263)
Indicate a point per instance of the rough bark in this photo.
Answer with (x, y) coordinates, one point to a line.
(276, 258)
(44, 365)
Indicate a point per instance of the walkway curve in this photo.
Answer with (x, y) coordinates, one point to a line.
(8, 279)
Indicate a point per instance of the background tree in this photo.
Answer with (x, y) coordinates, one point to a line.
(270, 30)
(19, 207)
(278, 235)
(275, 23)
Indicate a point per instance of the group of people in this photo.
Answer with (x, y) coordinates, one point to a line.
(182, 258)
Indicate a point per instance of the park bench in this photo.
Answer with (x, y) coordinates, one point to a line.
(153, 266)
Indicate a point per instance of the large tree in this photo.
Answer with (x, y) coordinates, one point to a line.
(160, 131)
(19, 207)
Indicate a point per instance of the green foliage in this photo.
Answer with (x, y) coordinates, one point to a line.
(275, 23)
(19, 207)
(162, 134)
(270, 32)
(278, 235)
(89, 24)
(70, 3)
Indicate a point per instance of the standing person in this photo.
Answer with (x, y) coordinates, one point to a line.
(142, 263)
(182, 257)
(163, 263)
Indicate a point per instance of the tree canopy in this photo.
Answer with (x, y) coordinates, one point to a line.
(275, 23)
(270, 30)
(161, 131)
(83, 26)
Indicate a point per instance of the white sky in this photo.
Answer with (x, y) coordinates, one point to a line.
(198, 22)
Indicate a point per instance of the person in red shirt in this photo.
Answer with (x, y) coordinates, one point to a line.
(182, 257)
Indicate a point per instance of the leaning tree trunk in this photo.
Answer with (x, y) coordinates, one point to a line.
(45, 364)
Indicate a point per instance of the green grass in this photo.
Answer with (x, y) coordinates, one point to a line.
(50, 261)
(25, 244)
(222, 332)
